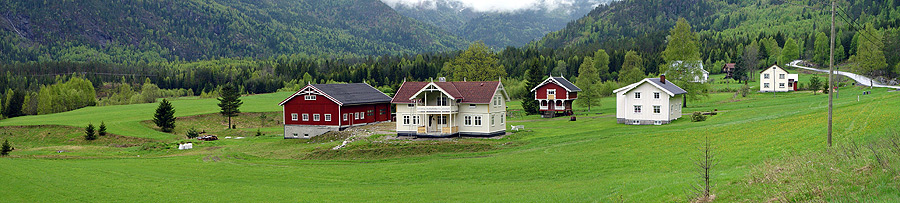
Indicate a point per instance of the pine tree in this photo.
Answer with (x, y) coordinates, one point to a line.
(230, 103)
(102, 130)
(165, 116)
(587, 81)
(534, 76)
(89, 132)
(814, 84)
(6, 148)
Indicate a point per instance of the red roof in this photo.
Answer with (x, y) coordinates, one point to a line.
(480, 92)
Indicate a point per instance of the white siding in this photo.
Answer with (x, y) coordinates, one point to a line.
(775, 80)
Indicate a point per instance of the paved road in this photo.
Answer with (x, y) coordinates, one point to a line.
(861, 80)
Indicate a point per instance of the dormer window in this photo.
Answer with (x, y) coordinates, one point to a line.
(309, 97)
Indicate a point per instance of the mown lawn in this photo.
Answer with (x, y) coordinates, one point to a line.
(592, 159)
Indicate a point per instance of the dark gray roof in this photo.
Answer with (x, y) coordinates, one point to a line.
(568, 85)
(669, 86)
(354, 93)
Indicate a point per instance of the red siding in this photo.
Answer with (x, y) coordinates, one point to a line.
(373, 113)
(542, 91)
(299, 105)
(573, 95)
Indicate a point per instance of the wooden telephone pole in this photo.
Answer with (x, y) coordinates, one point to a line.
(831, 76)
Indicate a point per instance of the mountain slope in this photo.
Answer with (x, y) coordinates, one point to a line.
(202, 29)
(497, 28)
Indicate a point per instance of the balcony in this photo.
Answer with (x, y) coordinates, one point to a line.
(437, 109)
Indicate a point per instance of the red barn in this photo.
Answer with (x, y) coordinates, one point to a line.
(319, 108)
(555, 96)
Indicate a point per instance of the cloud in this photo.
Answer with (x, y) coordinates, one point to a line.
(491, 5)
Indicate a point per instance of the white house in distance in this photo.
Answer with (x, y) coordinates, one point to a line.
(650, 101)
(776, 79)
(702, 75)
(446, 109)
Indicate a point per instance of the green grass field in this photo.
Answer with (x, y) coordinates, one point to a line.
(592, 159)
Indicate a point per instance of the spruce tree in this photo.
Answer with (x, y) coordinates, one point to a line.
(102, 130)
(534, 76)
(89, 132)
(632, 69)
(587, 81)
(165, 116)
(230, 103)
(6, 148)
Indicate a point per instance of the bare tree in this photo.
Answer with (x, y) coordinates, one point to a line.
(701, 192)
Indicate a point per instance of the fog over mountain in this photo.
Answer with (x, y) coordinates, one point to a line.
(498, 23)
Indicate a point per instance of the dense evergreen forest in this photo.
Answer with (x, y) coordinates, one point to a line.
(172, 30)
(622, 41)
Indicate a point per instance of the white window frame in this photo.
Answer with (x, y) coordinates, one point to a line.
(316, 117)
(467, 120)
(502, 118)
(410, 105)
(405, 119)
(551, 92)
(442, 120)
(327, 117)
(657, 109)
(781, 76)
(345, 117)
(765, 85)
(294, 117)
(766, 76)
(637, 95)
(638, 108)
(657, 122)
(306, 117)
(356, 116)
(635, 122)
(780, 85)
(415, 120)
(362, 115)
(656, 95)
(493, 117)
(309, 97)
(477, 120)
(473, 106)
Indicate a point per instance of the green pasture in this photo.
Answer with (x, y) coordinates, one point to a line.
(592, 159)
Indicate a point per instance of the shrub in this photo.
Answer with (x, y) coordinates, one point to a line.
(6, 148)
(258, 133)
(89, 132)
(193, 133)
(102, 130)
(697, 117)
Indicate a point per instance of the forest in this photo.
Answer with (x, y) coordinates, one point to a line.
(619, 40)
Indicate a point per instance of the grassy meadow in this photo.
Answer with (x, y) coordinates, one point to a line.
(588, 160)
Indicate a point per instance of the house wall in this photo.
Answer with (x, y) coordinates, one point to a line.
(373, 113)
(670, 107)
(774, 80)
(321, 105)
(541, 92)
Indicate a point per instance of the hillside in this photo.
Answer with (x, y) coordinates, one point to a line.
(497, 28)
(132, 31)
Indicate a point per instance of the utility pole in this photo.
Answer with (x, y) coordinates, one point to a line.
(831, 76)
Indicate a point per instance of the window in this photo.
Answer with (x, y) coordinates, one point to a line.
(780, 76)
(345, 117)
(544, 103)
(656, 95)
(327, 117)
(496, 101)
(305, 117)
(657, 109)
(637, 108)
(415, 120)
(637, 95)
(443, 102)
(493, 117)
(405, 119)
(477, 120)
(381, 111)
(502, 118)
(635, 122)
(765, 85)
(315, 117)
(657, 122)
(294, 117)
(442, 120)
(410, 105)
(296, 135)
(309, 97)
(551, 92)
(780, 85)
(362, 115)
(467, 120)
(472, 106)
(766, 76)
(356, 116)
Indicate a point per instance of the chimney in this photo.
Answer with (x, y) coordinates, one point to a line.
(662, 79)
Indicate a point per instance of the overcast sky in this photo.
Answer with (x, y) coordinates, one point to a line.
(494, 5)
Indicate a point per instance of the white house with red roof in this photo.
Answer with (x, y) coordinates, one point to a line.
(446, 109)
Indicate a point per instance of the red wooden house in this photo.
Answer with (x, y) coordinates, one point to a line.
(319, 108)
(555, 96)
